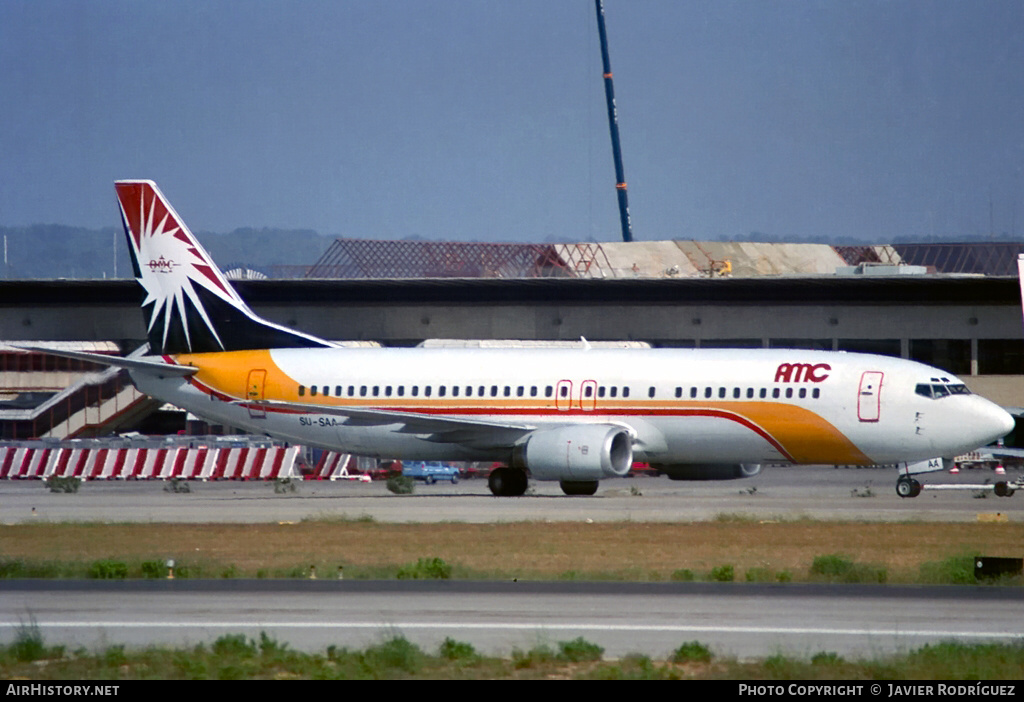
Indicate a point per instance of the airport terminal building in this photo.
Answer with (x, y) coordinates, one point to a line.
(967, 323)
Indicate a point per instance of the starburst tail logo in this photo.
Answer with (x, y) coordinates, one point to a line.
(173, 267)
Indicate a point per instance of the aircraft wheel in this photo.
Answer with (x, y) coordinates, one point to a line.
(905, 487)
(1003, 489)
(507, 482)
(579, 487)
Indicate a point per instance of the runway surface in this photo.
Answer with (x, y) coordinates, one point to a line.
(866, 494)
(498, 618)
(744, 620)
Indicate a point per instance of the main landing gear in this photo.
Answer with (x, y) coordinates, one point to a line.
(507, 482)
(512, 482)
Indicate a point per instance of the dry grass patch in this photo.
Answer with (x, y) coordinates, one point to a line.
(525, 549)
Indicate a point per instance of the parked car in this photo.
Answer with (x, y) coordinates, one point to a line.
(430, 471)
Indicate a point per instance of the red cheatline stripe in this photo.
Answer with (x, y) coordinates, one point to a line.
(544, 412)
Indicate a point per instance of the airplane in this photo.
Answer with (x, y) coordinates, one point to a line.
(573, 415)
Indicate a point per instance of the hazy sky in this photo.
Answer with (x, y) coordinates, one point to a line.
(480, 119)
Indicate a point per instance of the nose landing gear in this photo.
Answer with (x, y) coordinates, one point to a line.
(908, 487)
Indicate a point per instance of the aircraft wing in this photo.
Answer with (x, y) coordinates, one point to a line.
(472, 433)
(161, 370)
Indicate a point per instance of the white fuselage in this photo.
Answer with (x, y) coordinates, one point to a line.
(682, 406)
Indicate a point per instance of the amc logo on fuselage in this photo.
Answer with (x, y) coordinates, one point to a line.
(802, 372)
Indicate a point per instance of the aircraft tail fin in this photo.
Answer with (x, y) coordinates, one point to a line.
(191, 306)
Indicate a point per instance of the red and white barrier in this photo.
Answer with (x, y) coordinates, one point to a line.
(265, 463)
(334, 466)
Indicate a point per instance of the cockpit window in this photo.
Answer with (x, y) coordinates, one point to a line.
(936, 390)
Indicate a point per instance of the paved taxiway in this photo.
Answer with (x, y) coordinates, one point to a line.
(499, 618)
(817, 492)
(734, 619)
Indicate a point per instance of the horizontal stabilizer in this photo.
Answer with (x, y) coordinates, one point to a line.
(157, 368)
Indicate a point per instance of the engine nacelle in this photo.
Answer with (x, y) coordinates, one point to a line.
(709, 471)
(577, 453)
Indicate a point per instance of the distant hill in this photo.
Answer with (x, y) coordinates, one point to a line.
(57, 251)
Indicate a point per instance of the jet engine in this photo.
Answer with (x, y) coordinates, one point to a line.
(709, 471)
(582, 452)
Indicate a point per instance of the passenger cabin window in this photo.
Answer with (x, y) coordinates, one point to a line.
(337, 391)
(693, 393)
(302, 390)
(650, 391)
(312, 391)
(625, 391)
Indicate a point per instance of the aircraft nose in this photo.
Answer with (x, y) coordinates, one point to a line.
(998, 421)
(1007, 422)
